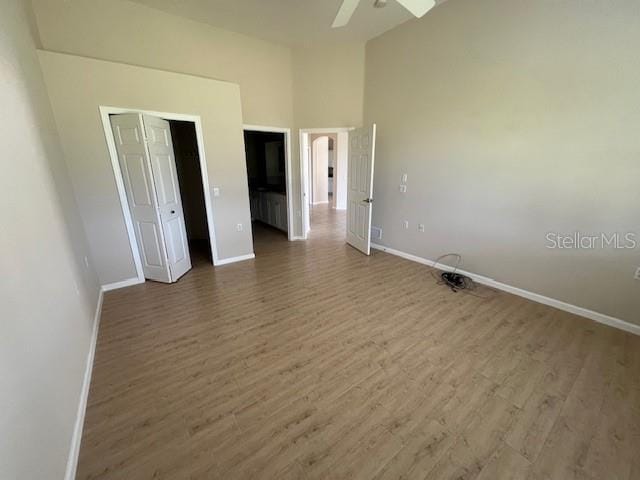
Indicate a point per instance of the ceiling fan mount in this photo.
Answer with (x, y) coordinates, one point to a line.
(417, 7)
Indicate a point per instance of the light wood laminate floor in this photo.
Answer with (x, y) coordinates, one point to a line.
(316, 362)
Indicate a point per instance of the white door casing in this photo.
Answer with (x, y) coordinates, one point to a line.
(306, 182)
(147, 163)
(163, 165)
(362, 148)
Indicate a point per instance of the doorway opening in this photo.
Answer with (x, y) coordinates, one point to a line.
(161, 176)
(185, 146)
(324, 167)
(269, 180)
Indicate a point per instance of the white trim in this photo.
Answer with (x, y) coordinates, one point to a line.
(113, 155)
(288, 179)
(74, 451)
(305, 194)
(304, 173)
(122, 284)
(241, 258)
(552, 302)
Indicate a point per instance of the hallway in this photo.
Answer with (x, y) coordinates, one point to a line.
(328, 229)
(314, 361)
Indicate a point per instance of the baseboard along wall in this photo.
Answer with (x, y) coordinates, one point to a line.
(552, 302)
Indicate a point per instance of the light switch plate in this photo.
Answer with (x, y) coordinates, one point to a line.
(637, 275)
(403, 189)
(404, 178)
(216, 192)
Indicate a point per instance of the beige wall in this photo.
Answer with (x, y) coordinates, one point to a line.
(303, 88)
(128, 32)
(78, 86)
(48, 295)
(513, 119)
(328, 85)
(328, 91)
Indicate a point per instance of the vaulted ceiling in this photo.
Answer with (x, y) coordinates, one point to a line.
(289, 22)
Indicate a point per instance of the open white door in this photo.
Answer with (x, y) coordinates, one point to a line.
(362, 149)
(165, 176)
(153, 194)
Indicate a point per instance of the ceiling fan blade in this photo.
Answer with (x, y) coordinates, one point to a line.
(345, 12)
(418, 7)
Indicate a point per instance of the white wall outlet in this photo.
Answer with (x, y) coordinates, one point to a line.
(637, 275)
(403, 189)
(405, 225)
(239, 227)
(421, 227)
(216, 191)
(404, 178)
(376, 233)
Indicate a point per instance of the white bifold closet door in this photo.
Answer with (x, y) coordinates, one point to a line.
(148, 166)
(362, 151)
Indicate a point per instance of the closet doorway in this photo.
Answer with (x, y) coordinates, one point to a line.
(160, 171)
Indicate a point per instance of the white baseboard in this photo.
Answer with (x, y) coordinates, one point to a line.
(74, 451)
(124, 283)
(241, 258)
(552, 302)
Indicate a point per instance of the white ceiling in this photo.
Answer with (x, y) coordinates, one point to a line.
(289, 22)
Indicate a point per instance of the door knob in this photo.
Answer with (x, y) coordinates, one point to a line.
(172, 212)
(368, 200)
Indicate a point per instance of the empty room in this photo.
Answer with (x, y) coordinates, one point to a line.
(337, 239)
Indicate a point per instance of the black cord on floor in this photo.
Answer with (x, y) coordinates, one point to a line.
(456, 282)
(451, 278)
